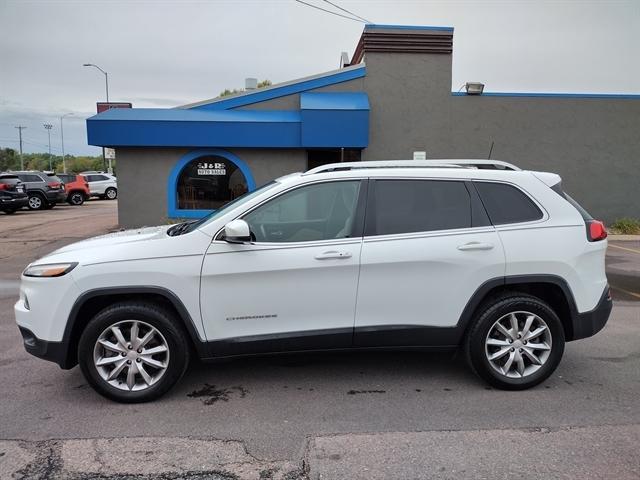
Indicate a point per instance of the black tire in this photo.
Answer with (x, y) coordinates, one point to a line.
(495, 309)
(36, 202)
(111, 193)
(75, 198)
(159, 318)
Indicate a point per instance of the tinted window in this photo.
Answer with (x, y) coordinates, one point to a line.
(30, 178)
(9, 180)
(507, 204)
(92, 178)
(321, 211)
(404, 206)
(67, 178)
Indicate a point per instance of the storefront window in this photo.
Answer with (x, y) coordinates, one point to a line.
(208, 182)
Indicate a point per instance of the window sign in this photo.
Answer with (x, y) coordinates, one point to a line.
(209, 182)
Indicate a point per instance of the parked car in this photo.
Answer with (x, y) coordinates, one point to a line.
(500, 263)
(76, 187)
(12, 194)
(102, 185)
(44, 189)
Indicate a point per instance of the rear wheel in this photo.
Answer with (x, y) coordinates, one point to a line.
(36, 202)
(111, 193)
(515, 342)
(76, 198)
(133, 352)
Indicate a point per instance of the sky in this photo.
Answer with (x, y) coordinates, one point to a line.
(164, 53)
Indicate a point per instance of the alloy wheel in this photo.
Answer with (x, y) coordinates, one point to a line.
(131, 355)
(111, 193)
(518, 344)
(35, 203)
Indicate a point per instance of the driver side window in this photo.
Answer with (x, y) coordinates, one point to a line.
(322, 211)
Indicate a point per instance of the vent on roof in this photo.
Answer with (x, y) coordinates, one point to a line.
(250, 83)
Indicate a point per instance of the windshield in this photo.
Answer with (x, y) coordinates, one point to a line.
(225, 208)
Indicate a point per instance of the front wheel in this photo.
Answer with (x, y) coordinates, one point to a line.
(133, 352)
(111, 193)
(515, 342)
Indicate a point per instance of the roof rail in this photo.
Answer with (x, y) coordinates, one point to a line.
(445, 163)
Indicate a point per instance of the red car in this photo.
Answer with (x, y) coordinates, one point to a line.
(76, 187)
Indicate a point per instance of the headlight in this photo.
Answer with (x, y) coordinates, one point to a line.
(49, 270)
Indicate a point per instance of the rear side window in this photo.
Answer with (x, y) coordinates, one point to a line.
(68, 178)
(405, 206)
(30, 178)
(507, 204)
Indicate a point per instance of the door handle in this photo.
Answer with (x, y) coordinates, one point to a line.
(475, 246)
(333, 254)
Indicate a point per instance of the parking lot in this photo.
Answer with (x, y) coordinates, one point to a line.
(374, 415)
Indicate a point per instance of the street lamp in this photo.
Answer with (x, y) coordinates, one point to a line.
(48, 127)
(106, 84)
(106, 77)
(64, 165)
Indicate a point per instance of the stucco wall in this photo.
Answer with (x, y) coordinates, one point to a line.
(593, 143)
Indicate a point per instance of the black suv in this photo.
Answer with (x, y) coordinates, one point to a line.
(44, 189)
(12, 193)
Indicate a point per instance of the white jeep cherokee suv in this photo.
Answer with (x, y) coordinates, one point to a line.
(468, 254)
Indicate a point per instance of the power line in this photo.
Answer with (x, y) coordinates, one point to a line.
(347, 11)
(329, 11)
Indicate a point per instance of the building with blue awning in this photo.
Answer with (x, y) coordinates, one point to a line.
(393, 100)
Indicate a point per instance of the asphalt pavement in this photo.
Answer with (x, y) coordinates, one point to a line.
(330, 416)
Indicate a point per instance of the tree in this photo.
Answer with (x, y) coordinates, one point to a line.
(261, 84)
(10, 160)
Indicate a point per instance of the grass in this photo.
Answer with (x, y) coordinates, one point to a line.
(625, 226)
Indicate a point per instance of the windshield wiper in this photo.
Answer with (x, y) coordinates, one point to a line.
(179, 229)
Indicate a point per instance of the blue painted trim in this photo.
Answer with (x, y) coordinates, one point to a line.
(407, 27)
(552, 95)
(334, 101)
(172, 183)
(262, 95)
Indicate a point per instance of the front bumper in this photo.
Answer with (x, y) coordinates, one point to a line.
(52, 351)
(588, 324)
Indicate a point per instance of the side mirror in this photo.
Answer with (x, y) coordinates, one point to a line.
(237, 231)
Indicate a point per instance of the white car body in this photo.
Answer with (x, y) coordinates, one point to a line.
(99, 182)
(240, 295)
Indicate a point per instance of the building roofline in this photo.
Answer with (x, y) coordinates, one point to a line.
(282, 89)
(634, 96)
(406, 27)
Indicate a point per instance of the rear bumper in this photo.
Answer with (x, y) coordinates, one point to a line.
(14, 203)
(56, 196)
(52, 351)
(588, 324)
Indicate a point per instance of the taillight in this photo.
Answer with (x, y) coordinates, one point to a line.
(596, 230)
(4, 186)
(53, 185)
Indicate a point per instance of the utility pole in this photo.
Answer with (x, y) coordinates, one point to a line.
(20, 128)
(48, 127)
(64, 165)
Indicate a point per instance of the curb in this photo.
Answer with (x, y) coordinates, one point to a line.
(624, 238)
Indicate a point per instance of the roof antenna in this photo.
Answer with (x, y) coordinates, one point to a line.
(490, 151)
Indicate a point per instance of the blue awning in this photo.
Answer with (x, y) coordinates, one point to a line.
(325, 119)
